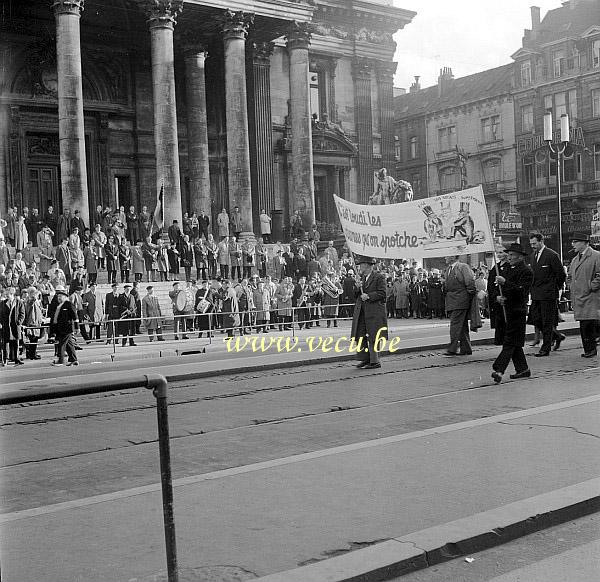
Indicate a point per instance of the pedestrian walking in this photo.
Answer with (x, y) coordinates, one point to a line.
(460, 290)
(548, 279)
(516, 284)
(584, 281)
(64, 322)
(369, 320)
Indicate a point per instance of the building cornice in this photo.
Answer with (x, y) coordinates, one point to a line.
(277, 9)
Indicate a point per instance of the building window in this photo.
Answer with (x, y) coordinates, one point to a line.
(414, 150)
(447, 138)
(569, 169)
(527, 118)
(572, 104)
(398, 148)
(449, 179)
(492, 170)
(597, 161)
(490, 128)
(560, 105)
(596, 102)
(596, 54)
(416, 185)
(558, 63)
(528, 174)
(526, 73)
(548, 103)
(318, 99)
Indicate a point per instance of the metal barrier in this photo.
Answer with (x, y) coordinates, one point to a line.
(181, 321)
(158, 384)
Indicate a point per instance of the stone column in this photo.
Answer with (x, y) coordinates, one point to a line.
(361, 71)
(385, 82)
(162, 16)
(235, 30)
(261, 124)
(303, 189)
(71, 131)
(197, 126)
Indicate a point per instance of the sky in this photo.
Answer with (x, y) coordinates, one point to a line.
(468, 36)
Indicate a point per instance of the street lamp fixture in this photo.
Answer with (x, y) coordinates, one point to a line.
(559, 150)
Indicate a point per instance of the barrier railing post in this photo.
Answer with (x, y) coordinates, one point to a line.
(158, 384)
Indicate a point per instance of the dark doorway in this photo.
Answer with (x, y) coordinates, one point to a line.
(123, 191)
(43, 189)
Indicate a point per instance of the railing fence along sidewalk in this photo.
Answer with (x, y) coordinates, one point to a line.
(159, 386)
(184, 319)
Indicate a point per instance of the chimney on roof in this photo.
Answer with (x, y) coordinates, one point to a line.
(416, 85)
(535, 17)
(444, 80)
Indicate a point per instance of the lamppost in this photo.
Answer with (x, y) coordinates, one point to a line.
(559, 150)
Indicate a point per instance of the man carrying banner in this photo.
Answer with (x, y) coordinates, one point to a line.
(370, 318)
(158, 218)
(460, 289)
(516, 282)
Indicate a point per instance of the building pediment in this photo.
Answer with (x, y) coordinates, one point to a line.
(524, 53)
(592, 31)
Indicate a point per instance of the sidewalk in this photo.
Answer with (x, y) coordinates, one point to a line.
(206, 359)
(397, 497)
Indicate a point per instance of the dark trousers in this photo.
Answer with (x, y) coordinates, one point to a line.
(112, 276)
(302, 317)
(66, 343)
(224, 271)
(13, 350)
(499, 326)
(367, 352)
(200, 273)
(508, 353)
(546, 312)
(247, 272)
(188, 273)
(459, 331)
(92, 278)
(234, 269)
(588, 331)
(31, 347)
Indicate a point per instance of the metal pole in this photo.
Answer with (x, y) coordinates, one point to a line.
(558, 176)
(158, 384)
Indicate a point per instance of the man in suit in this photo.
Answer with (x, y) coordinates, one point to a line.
(64, 321)
(12, 317)
(497, 321)
(186, 256)
(460, 290)
(128, 313)
(370, 318)
(548, 279)
(111, 311)
(584, 282)
(152, 315)
(516, 283)
(64, 258)
(92, 311)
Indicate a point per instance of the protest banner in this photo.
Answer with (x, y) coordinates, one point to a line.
(450, 224)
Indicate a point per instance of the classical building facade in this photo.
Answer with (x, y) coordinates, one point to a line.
(558, 69)
(460, 133)
(273, 104)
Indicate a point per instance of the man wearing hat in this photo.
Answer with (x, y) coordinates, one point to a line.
(584, 281)
(370, 317)
(12, 316)
(515, 284)
(64, 321)
(111, 311)
(128, 313)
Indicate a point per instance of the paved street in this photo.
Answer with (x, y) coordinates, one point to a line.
(72, 450)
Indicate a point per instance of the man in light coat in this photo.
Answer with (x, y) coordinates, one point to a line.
(584, 281)
(152, 314)
(460, 290)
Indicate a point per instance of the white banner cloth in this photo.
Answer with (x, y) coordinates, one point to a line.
(451, 224)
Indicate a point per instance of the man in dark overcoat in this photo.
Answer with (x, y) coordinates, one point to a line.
(516, 284)
(497, 322)
(128, 312)
(64, 322)
(369, 320)
(12, 317)
(460, 290)
(548, 279)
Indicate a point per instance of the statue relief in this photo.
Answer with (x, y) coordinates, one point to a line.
(390, 191)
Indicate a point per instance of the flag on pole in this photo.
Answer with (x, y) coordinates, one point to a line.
(158, 220)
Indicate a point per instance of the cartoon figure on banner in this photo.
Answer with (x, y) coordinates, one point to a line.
(447, 219)
(433, 225)
(464, 225)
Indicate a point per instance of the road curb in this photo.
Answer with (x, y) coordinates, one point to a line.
(425, 548)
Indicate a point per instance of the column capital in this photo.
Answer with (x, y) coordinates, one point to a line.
(298, 35)
(385, 70)
(74, 7)
(161, 13)
(236, 24)
(361, 68)
(261, 53)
